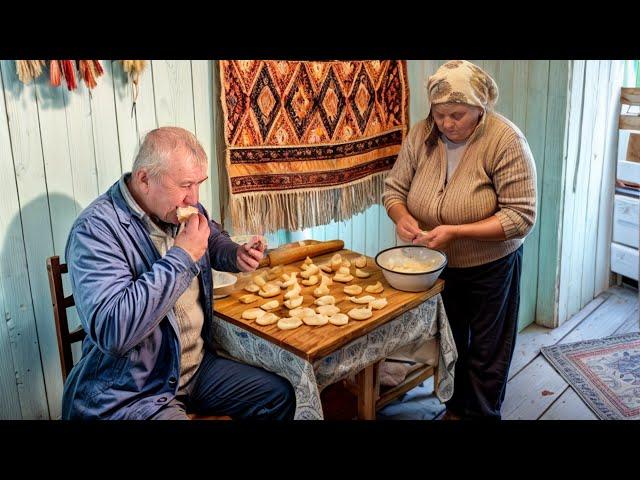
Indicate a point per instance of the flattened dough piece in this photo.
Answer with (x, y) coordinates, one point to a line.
(321, 291)
(326, 300)
(315, 320)
(352, 289)
(312, 280)
(249, 298)
(339, 319)
(272, 305)
(342, 278)
(269, 290)
(302, 312)
(290, 280)
(362, 273)
(336, 262)
(293, 292)
(293, 302)
(289, 323)
(363, 299)
(311, 270)
(375, 288)
(267, 319)
(378, 303)
(252, 313)
(274, 272)
(360, 313)
(327, 310)
(361, 261)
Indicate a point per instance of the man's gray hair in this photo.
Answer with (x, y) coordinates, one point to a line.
(159, 143)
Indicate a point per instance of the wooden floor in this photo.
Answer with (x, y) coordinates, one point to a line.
(535, 390)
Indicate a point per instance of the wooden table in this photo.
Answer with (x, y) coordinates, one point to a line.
(312, 342)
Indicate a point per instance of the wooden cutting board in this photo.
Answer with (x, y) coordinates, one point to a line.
(313, 342)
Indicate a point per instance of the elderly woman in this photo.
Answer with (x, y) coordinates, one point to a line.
(465, 183)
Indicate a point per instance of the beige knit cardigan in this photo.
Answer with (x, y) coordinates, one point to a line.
(496, 175)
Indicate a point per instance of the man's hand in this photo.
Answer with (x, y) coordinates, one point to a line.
(438, 238)
(407, 228)
(194, 236)
(250, 253)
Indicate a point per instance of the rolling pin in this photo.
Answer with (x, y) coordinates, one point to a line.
(292, 254)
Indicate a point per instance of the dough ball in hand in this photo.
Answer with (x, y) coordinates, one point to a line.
(184, 213)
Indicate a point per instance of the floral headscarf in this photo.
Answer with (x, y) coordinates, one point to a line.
(459, 81)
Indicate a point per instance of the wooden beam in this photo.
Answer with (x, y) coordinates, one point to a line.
(630, 96)
(366, 400)
(414, 379)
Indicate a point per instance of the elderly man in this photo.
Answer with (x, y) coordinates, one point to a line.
(143, 286)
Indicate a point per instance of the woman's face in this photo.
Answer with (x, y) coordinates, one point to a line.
(456, 121)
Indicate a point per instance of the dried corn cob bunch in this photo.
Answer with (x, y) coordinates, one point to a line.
(134, 68)
(55, 72)
(69, 73)
(29, 69)
(90, 70)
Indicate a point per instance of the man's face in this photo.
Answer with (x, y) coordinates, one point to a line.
(177, 187)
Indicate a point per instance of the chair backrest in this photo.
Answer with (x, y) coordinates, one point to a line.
(55, 269)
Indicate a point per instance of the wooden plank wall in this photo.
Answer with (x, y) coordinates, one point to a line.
(631, 75)
(58, 151)
(590, 167)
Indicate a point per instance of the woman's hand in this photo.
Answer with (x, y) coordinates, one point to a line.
(407, 228)
(438, 238)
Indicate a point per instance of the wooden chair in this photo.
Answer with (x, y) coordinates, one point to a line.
(55, 269)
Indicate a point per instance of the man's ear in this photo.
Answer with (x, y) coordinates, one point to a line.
(142, 179)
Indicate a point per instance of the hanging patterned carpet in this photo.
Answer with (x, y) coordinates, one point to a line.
(308, 143)
(604, 372)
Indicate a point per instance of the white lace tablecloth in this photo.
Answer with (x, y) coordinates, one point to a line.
(424, 322)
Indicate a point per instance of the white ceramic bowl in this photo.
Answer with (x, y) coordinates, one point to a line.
(417, 281)
(223, 283)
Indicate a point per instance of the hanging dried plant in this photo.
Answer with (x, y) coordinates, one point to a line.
(134, 68)
(98, 68)
(29, 69)
(68, 70)
(55, 72)
(90, 70)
